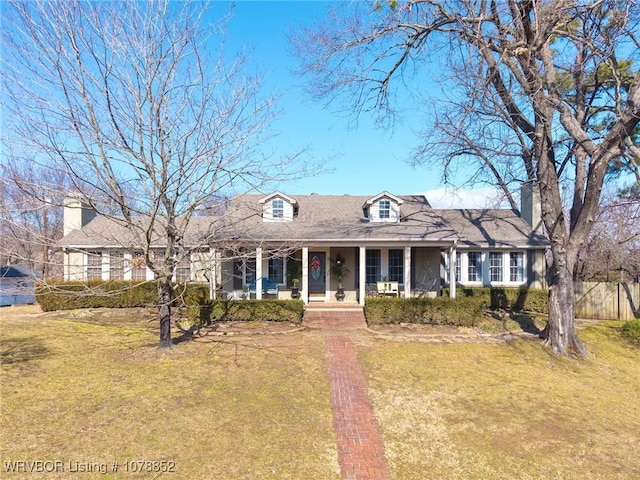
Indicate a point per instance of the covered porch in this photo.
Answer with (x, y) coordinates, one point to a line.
(311, 273)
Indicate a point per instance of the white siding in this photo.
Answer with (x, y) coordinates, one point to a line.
(267, 211)
(394, 211)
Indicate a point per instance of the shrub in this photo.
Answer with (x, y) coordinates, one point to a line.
(438, 311)
(516, 299)
(110, 294)
(631, 331)
(247, 310)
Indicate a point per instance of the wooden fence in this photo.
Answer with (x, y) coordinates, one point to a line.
(607, 301)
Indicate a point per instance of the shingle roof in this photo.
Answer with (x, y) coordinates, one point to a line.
(113, 232)
(334, 218)
(494, 227)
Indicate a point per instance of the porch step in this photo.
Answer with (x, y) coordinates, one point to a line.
(334, 316)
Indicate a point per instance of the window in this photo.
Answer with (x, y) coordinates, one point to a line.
(396, 266)
(384, 209)
(183, 270)
(116, 266)
(94, 265)
(458, 267)
(294, 271)
(474, 267)
(372, 268)
(276, 270)
(250, 270)
(138, 267)
(277, 208)
(516, 267)
(495, 266)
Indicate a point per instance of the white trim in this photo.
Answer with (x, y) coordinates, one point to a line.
(213, 280)
(305, 275)
(362, 272)
(259, 273)
(486, 271)
(128, 268)
(452, 271)
(277, 193)
(407, 272)
(391, 196)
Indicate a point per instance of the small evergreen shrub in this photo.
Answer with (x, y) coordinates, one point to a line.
(110, 294)
(247, 310)
(631, 331)
(516, 299)
(465, 312)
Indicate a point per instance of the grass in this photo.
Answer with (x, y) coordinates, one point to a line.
(90, 387)
(631, 331)
(87, 390)
(510, 411)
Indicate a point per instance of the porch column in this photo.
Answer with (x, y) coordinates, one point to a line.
(363, 274)
(212, 274)
(66, 265)
(259, 273)
(452, 271)
(407, 272)
(305, 275)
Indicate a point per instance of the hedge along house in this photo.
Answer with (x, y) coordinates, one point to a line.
(399, 244)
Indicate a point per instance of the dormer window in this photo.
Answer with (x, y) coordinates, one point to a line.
(384, 209)
(277, 208)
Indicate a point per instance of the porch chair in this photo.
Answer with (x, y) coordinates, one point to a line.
(387, 288)
(268, 288)
(370, 290)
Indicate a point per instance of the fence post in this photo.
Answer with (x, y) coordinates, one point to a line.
(619, 302)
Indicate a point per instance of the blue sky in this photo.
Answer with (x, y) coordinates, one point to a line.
(358, 160)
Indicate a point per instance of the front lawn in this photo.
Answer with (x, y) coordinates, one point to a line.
(89, 387)
(80, 387)
(508, 411)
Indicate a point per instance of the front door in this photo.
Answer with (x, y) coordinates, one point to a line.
(317, 272)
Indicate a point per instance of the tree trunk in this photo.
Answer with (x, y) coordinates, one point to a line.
(560, 332)
(165, 297)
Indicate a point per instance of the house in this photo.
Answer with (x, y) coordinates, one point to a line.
(17, 285)
(400, 240)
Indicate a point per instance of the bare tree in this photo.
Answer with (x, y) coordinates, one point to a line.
(612, 252)
(31, 217)
(510, 107)
(137, 103)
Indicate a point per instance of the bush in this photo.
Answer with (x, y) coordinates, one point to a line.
(247, 310)
(110, 294)
(516, 299)
(465, 312)
(631, 331)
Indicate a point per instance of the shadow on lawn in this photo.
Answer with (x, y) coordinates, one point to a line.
(15, 351)
(526, 322)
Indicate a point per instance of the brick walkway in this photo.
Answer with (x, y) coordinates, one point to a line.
(360, 448)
